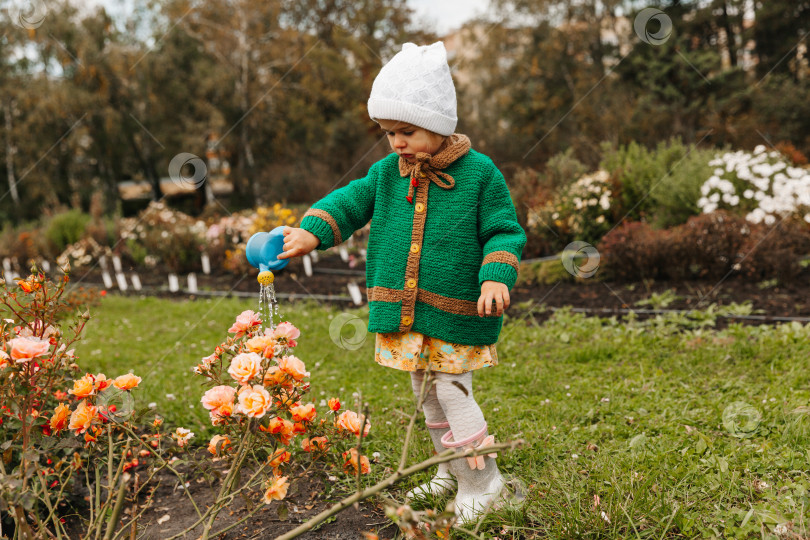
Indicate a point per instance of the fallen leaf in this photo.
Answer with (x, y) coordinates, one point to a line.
(163, 519)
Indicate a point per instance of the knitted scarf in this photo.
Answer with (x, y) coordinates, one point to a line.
(430, 166)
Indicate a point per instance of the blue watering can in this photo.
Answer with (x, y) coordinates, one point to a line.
(263, 249)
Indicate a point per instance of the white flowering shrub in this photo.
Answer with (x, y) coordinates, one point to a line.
(762, 186)
(580, 211)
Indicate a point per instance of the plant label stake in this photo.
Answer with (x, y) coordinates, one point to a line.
(122, 281)
(192, 283)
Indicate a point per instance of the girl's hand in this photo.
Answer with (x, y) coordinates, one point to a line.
(493, 290)
(298, 242)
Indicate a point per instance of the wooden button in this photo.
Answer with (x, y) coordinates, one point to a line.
(414, 248)
(406, 321)
(420, 207)
(411, 283)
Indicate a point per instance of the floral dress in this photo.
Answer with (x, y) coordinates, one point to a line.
(411, 351)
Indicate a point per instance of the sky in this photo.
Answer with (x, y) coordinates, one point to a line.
(440, 15)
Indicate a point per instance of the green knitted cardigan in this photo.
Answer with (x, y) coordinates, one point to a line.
(427, 258)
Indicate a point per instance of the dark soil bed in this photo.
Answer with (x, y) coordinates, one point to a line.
(172, 512)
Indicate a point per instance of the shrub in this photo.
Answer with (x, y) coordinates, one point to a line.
(532, 190)
(762, 186)
(776, 252)
(167, 236)
(581, 211)
(661, 186)
(66, 228)
(709, 246)
(634, 251)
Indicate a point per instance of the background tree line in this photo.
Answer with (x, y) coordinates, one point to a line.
(279, 87)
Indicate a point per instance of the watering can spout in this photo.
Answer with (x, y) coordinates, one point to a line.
(263, 249)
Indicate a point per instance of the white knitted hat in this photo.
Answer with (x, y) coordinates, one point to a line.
(416, 87)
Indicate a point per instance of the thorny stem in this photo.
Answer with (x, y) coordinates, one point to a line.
(51, 510)
(229, 479)
(447, 455)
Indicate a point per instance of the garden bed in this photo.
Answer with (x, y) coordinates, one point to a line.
(172, 513)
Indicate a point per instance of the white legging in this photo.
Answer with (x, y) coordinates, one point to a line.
(449, 397)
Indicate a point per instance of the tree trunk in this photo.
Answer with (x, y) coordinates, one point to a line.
(12, 181)
(731, 42)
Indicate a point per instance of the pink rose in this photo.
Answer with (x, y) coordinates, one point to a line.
(219, 400)
(24, 349)
(245, 366)
(254, 401)
(293, 367)
(244, 322)
(287, 331)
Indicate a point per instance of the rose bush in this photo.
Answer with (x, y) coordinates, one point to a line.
(257, 397)
(60, 429)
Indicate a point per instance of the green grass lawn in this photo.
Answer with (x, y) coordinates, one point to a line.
(632, 430)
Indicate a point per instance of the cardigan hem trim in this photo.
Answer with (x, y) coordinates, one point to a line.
(454, 306)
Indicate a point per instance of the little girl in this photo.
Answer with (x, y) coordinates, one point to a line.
(444, 245)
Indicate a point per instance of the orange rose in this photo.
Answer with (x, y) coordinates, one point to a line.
(83, 417)
(127, 382)
(263, 345)
(334, 404)
(254, 401)
(83, 387)
(349, 421)
(245, 366)
(293, 367)
(29, 285)
(315, 444)
(351, 462)
(281, 427)
(4, 359)
(92, 434)
(24, 349)
(102, 382)
(274, 376)
(277, 490)
(219, 400)
(303, 413)
(60, 417)
(223, 445)
(281, 456)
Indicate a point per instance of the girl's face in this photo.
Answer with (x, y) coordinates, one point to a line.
(407, 140)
